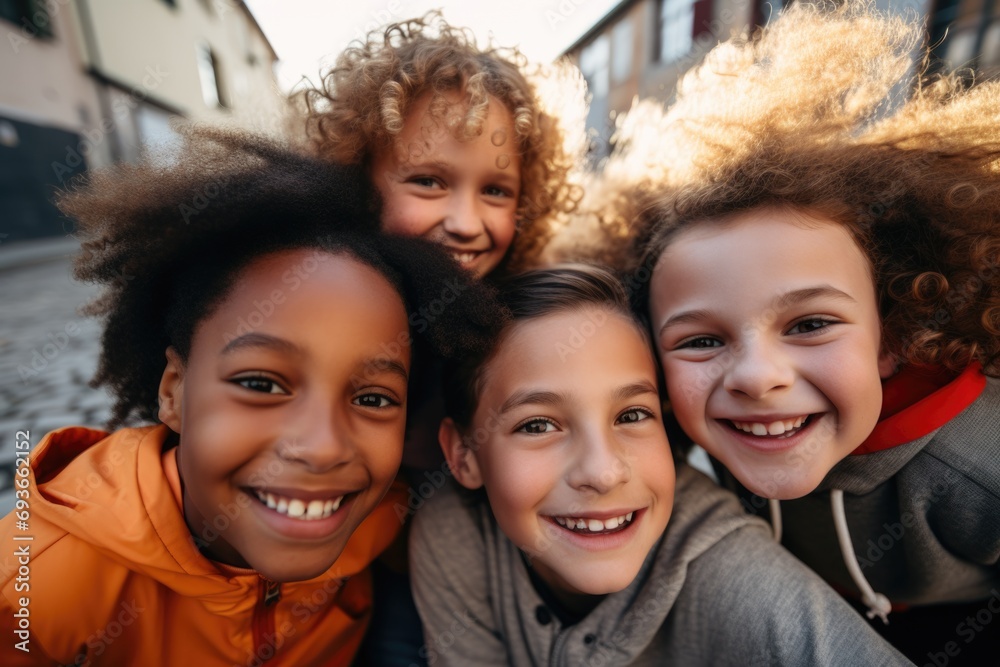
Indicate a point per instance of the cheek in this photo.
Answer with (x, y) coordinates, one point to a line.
(503, 228)
(408, 216)
(517, 486)
(683, 381)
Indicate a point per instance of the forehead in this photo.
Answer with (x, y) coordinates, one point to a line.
(578, 349)
(309, 295)
(439, 115)
(767, 249)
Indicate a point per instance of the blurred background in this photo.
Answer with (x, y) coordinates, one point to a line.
(87, 83)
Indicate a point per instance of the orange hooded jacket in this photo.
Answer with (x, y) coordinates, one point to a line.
(111, 575)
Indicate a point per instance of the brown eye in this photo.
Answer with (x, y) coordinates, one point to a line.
(374, 401)
(261, 385)
(536, 426)
(634, 415)
(810, 325)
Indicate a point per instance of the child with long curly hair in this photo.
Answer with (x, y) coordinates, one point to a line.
(824, 244)
(456, 138)
(256, 315)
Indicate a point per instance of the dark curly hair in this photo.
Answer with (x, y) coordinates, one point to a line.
(361, 104)
(168, 239)
(821, 112)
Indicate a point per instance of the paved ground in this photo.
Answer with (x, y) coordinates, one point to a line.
(48, 352)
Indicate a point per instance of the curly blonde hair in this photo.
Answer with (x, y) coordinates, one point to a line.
(362, 103)
(825, 110)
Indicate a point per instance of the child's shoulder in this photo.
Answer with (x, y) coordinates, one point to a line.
(704, 513)
(968, 446)
(448, 519)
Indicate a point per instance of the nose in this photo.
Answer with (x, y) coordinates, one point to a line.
(321, 442)
(757, 370)
(600, 464)
(463, 219)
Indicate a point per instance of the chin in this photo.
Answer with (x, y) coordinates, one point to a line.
(283, 573)
(787, 489)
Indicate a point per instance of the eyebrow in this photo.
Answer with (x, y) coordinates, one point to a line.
(634, 389)
(264, 341)
(388, 365)
(783, 302)
(259, 340)
(519, 398)
(795, 297)
(529, 396)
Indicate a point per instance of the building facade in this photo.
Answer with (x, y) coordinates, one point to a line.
(641, 47)
(85, 83)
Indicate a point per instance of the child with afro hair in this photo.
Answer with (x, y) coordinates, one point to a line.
(257, 316)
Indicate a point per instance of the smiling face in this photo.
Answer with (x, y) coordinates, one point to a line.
(768, 330)
(291, 433)
(576, 466)
(461, 194)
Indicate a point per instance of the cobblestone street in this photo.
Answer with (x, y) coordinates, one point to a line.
(48, 353)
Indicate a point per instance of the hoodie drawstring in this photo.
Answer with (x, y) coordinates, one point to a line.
(774, 505)
(878, 604)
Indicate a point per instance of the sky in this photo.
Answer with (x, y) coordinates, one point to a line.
(308, 34)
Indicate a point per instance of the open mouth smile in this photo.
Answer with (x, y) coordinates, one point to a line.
(782, 428)
(595, 526)
(465, 257)
(299, 508)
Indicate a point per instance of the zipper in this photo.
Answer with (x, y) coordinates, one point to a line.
(265, 642)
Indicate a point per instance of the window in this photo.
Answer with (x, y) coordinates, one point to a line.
(208, 72)
(966, 33)
(622, 48)
(594, 64)
(32, 15)
(680, 23)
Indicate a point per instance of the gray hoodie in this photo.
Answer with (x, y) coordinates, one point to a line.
(923, 517)
(715, 590)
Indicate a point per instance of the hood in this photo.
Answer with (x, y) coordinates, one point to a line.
(120, 493)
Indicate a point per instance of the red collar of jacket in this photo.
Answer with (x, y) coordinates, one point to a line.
(918, 400)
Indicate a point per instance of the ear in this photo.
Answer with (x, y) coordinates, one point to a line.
(171, 391)
(887, 364)
(461, 459)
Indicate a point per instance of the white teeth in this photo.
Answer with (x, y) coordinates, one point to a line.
(296, 508)
(594, 525)
(772, 428)
(463, 257)
(306, 510)
(314, 509)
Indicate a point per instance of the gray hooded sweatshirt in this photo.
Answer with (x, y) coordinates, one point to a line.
(715, 590)
(922, 516)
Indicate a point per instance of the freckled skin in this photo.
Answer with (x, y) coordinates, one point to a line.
(462, 194)
(742, 352)
(310, 412)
